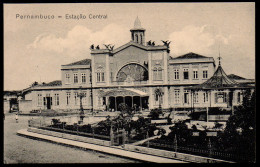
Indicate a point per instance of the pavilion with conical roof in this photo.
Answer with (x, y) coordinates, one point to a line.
(219, 80)
(219, 91)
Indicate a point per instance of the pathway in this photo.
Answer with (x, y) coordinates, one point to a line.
(145, 140)
(109, 150)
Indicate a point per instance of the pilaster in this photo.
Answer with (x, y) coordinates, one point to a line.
(165, 63)
(151, 98)
(107, 70)
(150, 67)
(166, 97)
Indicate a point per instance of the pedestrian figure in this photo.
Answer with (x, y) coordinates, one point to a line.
(16, 117)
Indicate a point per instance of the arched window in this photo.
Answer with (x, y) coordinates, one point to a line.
(141, 39)
(154, 73)
(136, 36)
(132, 71)
(100, 75)
(157, 73)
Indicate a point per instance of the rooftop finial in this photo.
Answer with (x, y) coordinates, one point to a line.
(137, 23)
(219, 58)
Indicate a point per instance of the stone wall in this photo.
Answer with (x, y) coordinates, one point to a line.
(25, 106)
(6, 106)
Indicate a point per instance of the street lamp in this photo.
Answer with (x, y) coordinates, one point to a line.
(81, 95)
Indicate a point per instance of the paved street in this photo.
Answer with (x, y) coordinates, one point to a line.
(18, 149)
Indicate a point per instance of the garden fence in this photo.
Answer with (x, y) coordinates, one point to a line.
(44, 123)
(202, 152)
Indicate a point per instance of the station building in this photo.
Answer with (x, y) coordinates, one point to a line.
(139, 73)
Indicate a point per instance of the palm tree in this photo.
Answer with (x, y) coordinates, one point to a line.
(158, 94)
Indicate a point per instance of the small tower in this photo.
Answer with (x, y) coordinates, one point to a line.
(138, 33)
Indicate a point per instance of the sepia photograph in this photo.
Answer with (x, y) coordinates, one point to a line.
(129, 83)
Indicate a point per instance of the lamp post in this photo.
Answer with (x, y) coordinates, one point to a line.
(81, 95)
(159, 93)
(210, 148)
(175, 143)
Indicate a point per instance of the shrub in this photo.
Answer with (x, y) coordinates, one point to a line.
(154, 114)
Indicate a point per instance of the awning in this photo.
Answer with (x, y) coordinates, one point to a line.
(125, 92)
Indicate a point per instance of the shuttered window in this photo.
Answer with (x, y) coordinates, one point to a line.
(221, 97)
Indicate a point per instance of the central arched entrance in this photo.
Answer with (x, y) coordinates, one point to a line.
(135, 99)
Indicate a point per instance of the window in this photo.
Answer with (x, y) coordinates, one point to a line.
(238, 97)
(68, 98)
(205, 74)
(177, 96)
(157, 73)
(67, 78)
(186, 96)
(44, 101)
(39, 99)
(134, 71)
(56, 99)
(84, 99)
(186, 74)
(76, 98)
(83, 77)
(221, 97)
(100, 75)
(195, 74)
(196, 97)
(176, 74)
(205, 97)
(76, 78)
(158, 99)
(136, 36)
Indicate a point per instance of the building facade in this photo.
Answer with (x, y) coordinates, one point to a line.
(140, 74)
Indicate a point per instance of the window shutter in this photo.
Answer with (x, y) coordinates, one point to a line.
(44, 100)
(225, 97)
(51, 100)
(216, 97)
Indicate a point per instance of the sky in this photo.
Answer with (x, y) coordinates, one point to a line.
(35, 49)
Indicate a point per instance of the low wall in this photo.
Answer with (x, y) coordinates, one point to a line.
(174, 155)
(71, 137)
(25, 106)
(218, 117)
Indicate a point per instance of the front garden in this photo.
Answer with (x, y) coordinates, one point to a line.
(235, 143)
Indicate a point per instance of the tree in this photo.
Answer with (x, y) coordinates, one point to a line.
(154, 114)
(158, 95)
(239, 134)
(180, 129)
